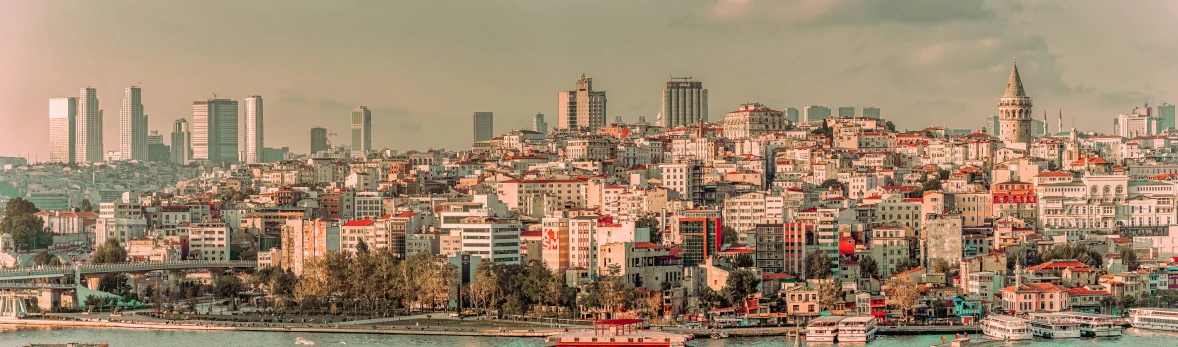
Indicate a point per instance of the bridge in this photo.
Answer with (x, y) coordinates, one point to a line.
(96, 269)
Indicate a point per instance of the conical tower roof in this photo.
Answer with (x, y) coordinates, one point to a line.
(1014, 87)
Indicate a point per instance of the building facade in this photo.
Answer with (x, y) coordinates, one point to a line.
(318, 140)
(1014, 111)
(63, 114)
(214, 131)
(181, 142)
(88, 131)
(254, 140)
(582, 107)
(753, 120)
(361, 131)
(685, 102)
(484, 126)
(133, 126)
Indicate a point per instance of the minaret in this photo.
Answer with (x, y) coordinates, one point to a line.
(1059, 128)
(1046, 127)
(1014, 110)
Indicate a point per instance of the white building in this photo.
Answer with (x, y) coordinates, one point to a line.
(361, 131)
(581, 108)
(254, 139)
(133, 126)
(181, 142)
(752, 120)
(88, 131)
(214, 131)
(63, 113)
(120, 221)
(208, 241)
(491, 238)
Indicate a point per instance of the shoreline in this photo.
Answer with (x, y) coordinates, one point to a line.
(536, 333)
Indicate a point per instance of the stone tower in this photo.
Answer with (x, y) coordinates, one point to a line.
(1014, 111)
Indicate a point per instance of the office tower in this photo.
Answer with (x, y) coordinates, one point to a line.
(361, 131)
(815, 113)
(318, 140)
(63, 113)
(484, 126)
(847, 111)
(685, 102)
(254, 141)
(1014, 110)
(1165, 117)
(88, 128)
(791, 114)
(538, 124)
(181, 142)
(581, 108)
(871, 112)
(132, 126)
(157, 151)
(214, 131)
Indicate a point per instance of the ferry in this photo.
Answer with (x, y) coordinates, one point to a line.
(1008, 328)
(1095, 325)
(857, 329)
(618, 333)
(1054, 326)
(1154, 318)
(823, 329)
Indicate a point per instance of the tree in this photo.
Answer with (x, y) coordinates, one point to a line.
(93, 302)
(1129, 258)
(741, 284)
(890, 126)
(361, 247)
(114, 283)
(228, 286)
(902, 293)
(817, 265)
(831, 183)
(1081, 253)
(26, 227)
(110, 252)
(942, 174)
(943, 266)
(904, 264)
(868, 268)
(744, 260)
(931, 185)
(86, 207)
(824, 130)
(44, 258)
(709, 299)
(830, 292)
(652, 223)
(728, 235)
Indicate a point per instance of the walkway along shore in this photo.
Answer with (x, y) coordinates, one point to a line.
(734, 332)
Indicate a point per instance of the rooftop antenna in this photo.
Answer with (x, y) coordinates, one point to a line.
(214, 95)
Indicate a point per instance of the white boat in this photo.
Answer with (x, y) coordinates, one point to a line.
(823, 329)
(1006, 328)
(857, 329)
(1054, 326)
(1095, 325)
(1154, 318)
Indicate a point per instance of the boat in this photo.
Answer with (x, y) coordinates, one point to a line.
(719, 335)
(857, 329)
(1054, 326)
(617, 333)
(1095, 325)
(1154, 318)
(823, 329)
(1007, 328)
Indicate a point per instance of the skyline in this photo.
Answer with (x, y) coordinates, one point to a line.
(815, 53)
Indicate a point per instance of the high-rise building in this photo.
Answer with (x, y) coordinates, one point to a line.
(581, 108)
(871, 112)
(181, 142)
(685, 102)
(1165, 117)
(214, 131)
(254, 141)
(88, 131)
(847, 111)
(132, 126)
(63, 114)
(484, 126)
(1014, 111)
(538, 124)
(361, 131)
(157, 151)
(791, 114)
(318, 139)
(815, 113)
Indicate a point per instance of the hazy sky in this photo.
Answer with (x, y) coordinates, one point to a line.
(424, 67)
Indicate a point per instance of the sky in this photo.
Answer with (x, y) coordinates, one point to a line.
(424, 67)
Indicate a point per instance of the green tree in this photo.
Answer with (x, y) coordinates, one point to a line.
(824, 130)
(902, 293)
(830, 293)
(110, 252)
(26, 227)
(890, 126)
(868, 267)
(93, 302)
(709, 299)
(1129, 258)
(831, 183)
(86, 207)
(942, 174)
(114, 283)
(904, 264)
(740, 284)
(228, 286)
(817, 265)
(362, 247)
(744, 260)
(931, 185)
(943, 266)
(43, 257)
(1081, 253)
(656, 233)
(728, 235)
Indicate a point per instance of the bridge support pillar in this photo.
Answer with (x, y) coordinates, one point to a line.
(13, 306)
(49, 299)
(92, 282)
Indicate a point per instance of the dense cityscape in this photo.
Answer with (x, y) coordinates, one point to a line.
(595, 226)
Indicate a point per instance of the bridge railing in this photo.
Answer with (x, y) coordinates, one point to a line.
(126, 266)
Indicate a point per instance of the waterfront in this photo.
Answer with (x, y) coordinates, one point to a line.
(119, 337)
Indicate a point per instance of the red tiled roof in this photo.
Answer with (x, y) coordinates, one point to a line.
(1086, 291)
(359, 223)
